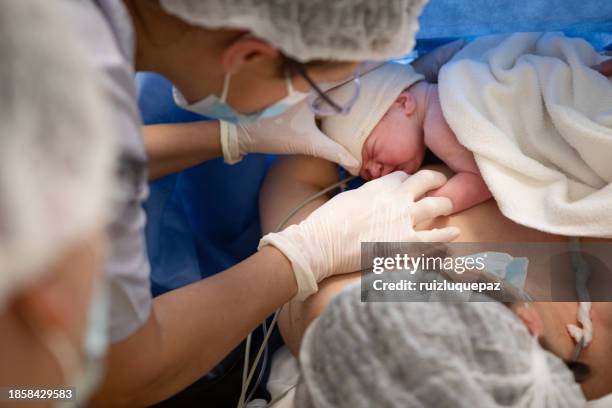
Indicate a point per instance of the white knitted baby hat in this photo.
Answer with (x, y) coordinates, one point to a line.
(379, 89)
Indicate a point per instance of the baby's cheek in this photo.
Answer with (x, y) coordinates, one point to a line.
(391, 145)
(403, 152)
(411, 166)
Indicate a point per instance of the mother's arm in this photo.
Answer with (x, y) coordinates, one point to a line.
(290, 181)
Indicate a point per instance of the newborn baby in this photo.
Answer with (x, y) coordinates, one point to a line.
(397, 117)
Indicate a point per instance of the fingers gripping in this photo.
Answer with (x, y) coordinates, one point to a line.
(431, 207)
(438, 235)
(423, 181)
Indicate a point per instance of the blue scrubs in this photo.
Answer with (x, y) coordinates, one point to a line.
(202, 220)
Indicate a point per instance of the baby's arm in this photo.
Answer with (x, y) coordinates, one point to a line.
(465, 190)
(467, 187)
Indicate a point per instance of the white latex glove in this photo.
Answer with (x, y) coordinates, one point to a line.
(294, 132)
(429, 64)
(328, 242)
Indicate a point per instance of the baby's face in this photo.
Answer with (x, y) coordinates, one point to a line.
(396, 143)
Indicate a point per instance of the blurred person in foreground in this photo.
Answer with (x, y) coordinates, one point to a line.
(56, 172)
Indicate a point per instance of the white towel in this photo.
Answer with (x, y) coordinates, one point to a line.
(539, 122)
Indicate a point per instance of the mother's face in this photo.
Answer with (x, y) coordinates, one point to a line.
(549, 320)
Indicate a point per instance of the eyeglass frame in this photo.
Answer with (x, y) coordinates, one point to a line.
(298, 67)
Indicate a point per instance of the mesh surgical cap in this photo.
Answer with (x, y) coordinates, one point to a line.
(55, 155)
(434, 354)
(341, 30)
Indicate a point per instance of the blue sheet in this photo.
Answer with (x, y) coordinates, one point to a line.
(463, 18)
(446, 20)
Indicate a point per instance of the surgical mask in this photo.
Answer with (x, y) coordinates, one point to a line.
(505, 266)
(217, 108)
(82, 367)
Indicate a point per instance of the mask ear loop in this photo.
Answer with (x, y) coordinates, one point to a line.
(62, 351)
(580, 370)
(290, 89)
(583, 334)
(226, 84)
(67, 358)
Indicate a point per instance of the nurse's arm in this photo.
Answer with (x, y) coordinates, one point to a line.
(175, 147)
(289, 182)
(192, 328)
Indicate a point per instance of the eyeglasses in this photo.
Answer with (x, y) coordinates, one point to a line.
(321, 102)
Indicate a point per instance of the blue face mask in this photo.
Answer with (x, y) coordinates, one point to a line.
(505, 266)
(217, 108)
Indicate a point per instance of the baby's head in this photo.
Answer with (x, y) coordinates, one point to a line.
(382, 130)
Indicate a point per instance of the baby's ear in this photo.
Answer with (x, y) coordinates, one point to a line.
(407, 102)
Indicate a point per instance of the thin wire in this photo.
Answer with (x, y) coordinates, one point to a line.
(264, 364)
(577, 351)
(242, 401)
(583, 272)
(245, 369)
(280, 396)
(261, 348)
(310, 199)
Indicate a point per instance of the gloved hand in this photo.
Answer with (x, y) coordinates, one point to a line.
(328, 242)
(294, 132)
(429, 64)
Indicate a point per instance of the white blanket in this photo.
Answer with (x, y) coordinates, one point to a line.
(539, 122)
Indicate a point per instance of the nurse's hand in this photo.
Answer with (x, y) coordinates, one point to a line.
(328, 242)
(294, 132)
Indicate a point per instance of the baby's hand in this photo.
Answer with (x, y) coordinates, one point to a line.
(465, 190)
(467, 187)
